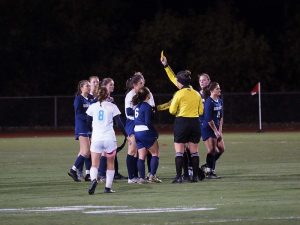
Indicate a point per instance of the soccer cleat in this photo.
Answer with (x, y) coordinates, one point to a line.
(177, 180)
(212, 175)
(194, 180)
(133, 180)
(80, 175)
(93, 187)
(101, 179)
(108, 190)
(186, 178)
(119, 177)
(201, 174)
(87, 177)
(142, 181)
(154, 179)
(73, 174)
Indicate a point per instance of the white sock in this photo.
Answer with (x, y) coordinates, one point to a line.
(94, 173)
(74, 168)
(109, 178)
(87, 172)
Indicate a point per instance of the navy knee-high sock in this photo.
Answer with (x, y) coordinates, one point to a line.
(103, 166)
(210, 158)
(141, 168)
(116, 165)
(131, 164)
(79, 161)
(149, 156)
(136, 171)
(154, 165)
(88, 163)
(185, 164)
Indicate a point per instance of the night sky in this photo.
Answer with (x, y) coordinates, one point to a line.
(48, 46)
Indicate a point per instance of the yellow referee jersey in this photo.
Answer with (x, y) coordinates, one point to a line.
(186, 103)
(171, 75)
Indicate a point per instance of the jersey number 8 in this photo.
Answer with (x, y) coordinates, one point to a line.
(101, 115)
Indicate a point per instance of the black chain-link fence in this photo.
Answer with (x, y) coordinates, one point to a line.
(57, 111)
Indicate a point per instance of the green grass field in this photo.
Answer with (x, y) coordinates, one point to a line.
(260, 185)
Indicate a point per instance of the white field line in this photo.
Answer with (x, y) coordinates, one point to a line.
(147, 210)
(232, 220)
(60, 209)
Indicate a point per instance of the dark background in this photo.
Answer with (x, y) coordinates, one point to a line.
(47, 46)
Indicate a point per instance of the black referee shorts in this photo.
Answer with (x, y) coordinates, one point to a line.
(187, 130)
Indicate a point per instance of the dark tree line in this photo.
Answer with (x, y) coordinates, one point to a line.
(48, 46)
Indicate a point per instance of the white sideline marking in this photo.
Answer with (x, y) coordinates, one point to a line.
(61, 209)
(148, 210)
(104, 209)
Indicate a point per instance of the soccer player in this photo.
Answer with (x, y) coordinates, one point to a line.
(94, 85)
(187, 106)
(82, 128)
(212, 129)
(94, 82)
(133, 84)
(110, 85)
(146, 135)
(103, 115)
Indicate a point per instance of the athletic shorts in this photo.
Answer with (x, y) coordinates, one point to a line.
(83, 135)
(186, 130)
(145, 139)
(107, 146)
(207, 132)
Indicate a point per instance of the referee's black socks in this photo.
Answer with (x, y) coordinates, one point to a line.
(195, 163)
(179, 163)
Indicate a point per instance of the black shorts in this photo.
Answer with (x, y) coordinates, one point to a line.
(187, 130)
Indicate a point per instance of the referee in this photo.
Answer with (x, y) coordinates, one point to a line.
(187, 106)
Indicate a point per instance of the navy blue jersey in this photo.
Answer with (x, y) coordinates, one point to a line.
(203, 96)
(81, 104)
(145, 132)
(143, 115)
(213, 110)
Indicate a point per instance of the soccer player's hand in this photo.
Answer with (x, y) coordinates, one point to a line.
(218, 135)
(163, 59)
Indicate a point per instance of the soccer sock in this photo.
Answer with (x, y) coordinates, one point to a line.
(102, 167)
(195, 162)
(210, 158)
(135, 168)
(79, 162)
(88, 164)
(141, 168)
(80, 168)
(154, 165)
(109, 178)
(179, 163)
(185, 164)
(116, 165)
(217, 156)
(188, 152)
(94, 173)
(149, 157)
(130, 166)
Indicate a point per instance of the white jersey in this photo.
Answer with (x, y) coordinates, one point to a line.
(128, 102)
(103, 120)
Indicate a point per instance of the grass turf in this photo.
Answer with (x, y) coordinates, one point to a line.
(260, 185)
